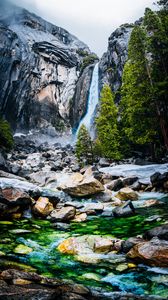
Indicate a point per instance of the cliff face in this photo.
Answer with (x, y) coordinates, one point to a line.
(112, 62)
(39, 70)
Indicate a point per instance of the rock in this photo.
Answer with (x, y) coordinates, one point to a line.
(122, 267)
(42, 178)
(64, 214)
(43, 207)
(19, 231)
(127, 194)
(125, 210)
(130, 243)
(115, 185)
(97, 207)
(102, 245)
(3, 163)
(161, 232)
(21, 185)
(158, 180)
(103, 163)
(22, 249)
(80, 218)
(86, 244)
(130, 180)
(151, 202)
(82, 185)
(91, 276)
(20, 281)
(155, 218)
(154, 252)
(14, 197)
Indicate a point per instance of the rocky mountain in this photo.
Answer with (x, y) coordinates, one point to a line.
(112, 62)
(41, 75)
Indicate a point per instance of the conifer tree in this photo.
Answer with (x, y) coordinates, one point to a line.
(137, 114)
(107, 127)
(83, 147)
(157, 45)
(6, 138)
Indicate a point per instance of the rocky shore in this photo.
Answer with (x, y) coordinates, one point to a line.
(46, 183)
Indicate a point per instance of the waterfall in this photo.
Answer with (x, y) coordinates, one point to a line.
(88, 119)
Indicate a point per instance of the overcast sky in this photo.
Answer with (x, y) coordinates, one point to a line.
(92, 21)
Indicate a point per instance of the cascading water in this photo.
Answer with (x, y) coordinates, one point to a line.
(88, 119)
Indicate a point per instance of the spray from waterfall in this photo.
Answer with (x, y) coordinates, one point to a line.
(88, 119)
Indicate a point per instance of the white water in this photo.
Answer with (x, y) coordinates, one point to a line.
(88, 119)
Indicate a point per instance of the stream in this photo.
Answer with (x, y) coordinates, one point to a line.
(45, 259)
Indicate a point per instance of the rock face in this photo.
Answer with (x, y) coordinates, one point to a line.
(112, 62)
(39, 69)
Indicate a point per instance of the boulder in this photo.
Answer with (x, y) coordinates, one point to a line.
(87, 244)
(22, 249)
(154, 252)
(103, 163)
(14, 197)
(80, 218)
(127, 194)
(82, 185)
(161, 232)
(43, 207)
(158, 180)
(43, 178)
(64, 214)
(125, 210)
(130, 243)
(115, 185)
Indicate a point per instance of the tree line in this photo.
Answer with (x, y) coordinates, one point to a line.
(140, 121)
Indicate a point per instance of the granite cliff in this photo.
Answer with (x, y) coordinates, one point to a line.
(40, 68)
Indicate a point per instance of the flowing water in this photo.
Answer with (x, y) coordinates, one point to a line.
(88, 119)
(43, 238)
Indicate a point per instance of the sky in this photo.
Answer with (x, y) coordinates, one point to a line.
(92, 21)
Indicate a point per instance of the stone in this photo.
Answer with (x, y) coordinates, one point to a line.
(102, 245)
(125, 210)
(115, 185)
(91, 276)
(127, 194)
(12, 196)
(122, 267)
(80, 218)
(103, 163)
(82, 185)
(20, 281)
(64, 214)
(154, 252)
(42, 178)
(130, 180)
(98, 207)
(19, 231)
(130, 243)
(161, 232)
(43, 207)
(22, 249)
(86, 244)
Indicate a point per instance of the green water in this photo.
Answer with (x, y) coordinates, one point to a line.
(45, 258)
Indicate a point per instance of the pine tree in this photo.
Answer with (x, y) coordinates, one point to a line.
(6, 138)
(157, 45)
(107, 127)
(83, 147)
(137, 113)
